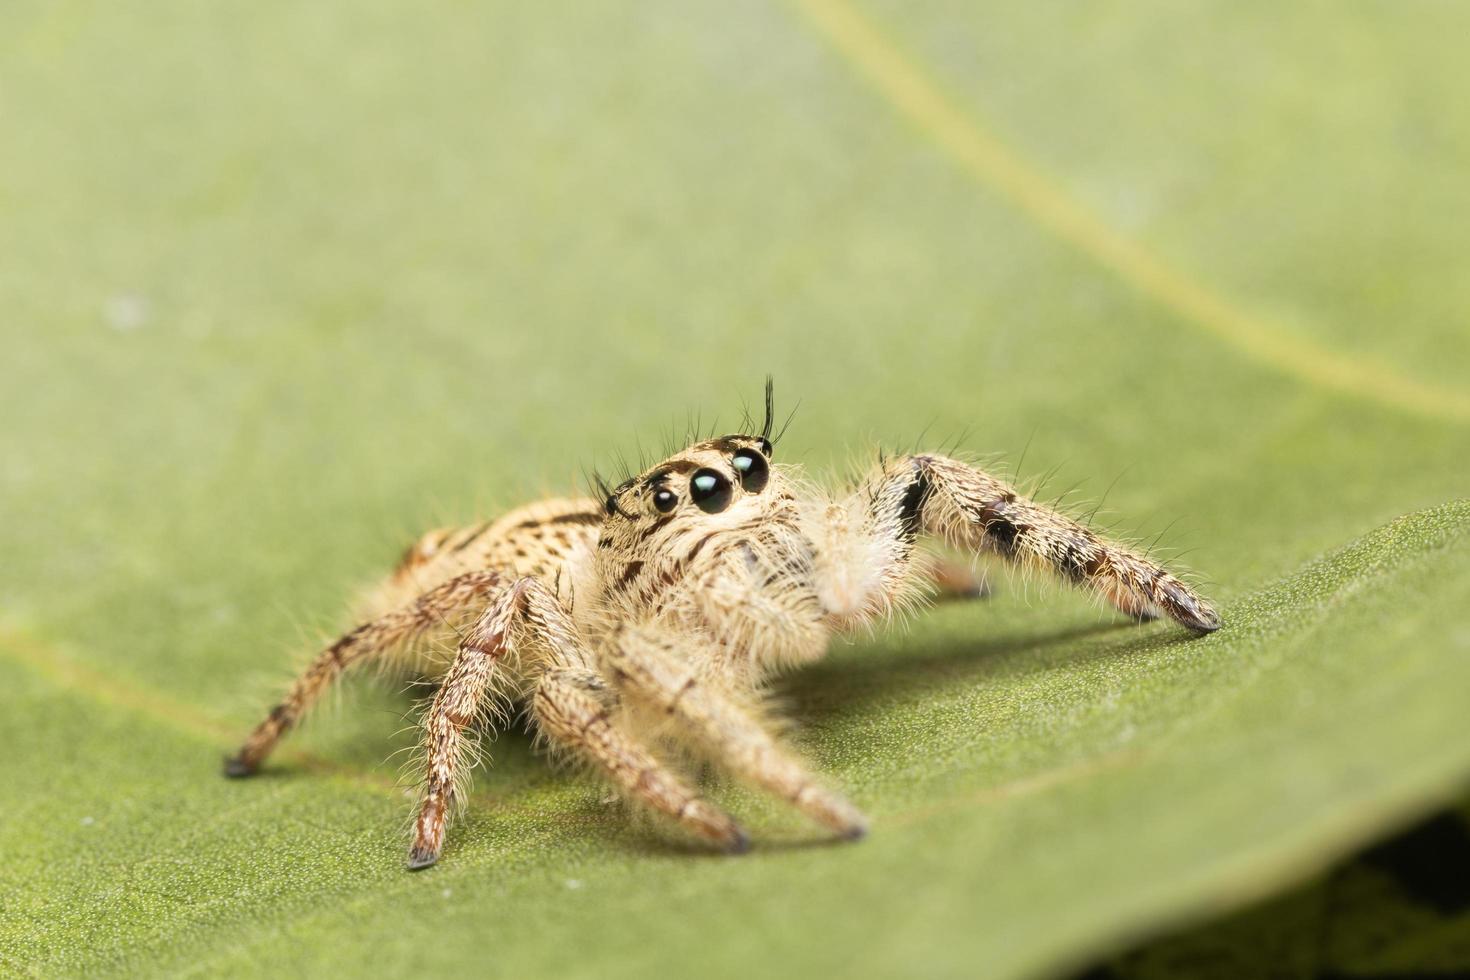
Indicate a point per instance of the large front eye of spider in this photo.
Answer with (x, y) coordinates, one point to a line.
(710, 491)
(752, 468)
(664, 500)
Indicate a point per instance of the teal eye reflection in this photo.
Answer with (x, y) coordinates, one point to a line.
(753, 470)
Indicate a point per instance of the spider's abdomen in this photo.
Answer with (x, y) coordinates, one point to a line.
(540, 540)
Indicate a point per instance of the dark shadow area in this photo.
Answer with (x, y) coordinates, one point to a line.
(1398, 909)
(1431, 863)
(635, 833)
(825, 687)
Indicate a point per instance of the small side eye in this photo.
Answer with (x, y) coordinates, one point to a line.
(665, 500)
(611, 504)
(767, 448)
(753, 470)
(710, 491)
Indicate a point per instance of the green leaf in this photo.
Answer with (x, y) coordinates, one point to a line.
(285, 284)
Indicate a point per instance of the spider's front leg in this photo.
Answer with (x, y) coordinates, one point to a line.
(971, 509)
(576, 709)
(571, 707)
(659, 671)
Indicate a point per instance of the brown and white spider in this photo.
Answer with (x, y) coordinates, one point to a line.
(653, 618)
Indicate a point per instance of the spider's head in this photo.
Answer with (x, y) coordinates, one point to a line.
(729, 475)
(713, 485)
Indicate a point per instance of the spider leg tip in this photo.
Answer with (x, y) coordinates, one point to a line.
(1188, 609)
(237, 768)
(421, 858)
(1207, 623)
(1200, 618)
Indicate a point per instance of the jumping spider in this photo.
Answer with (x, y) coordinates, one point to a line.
(657, 614)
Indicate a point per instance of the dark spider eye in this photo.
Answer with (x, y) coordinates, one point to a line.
(611, 504)
(752, 468)
(665, 500)
(767, 448)
(710, 491)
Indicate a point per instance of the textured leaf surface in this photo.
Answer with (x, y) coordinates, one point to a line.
(284, 284)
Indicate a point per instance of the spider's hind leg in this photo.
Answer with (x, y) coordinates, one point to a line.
(458, 703)
(374, 640)
(956, 579)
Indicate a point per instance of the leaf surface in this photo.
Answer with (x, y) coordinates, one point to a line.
(287, 284)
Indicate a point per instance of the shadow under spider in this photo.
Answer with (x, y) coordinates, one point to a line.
(826, 690)
(830, 686)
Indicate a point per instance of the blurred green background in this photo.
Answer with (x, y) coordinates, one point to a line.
(283, 284)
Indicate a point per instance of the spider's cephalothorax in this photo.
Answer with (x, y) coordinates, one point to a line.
(654, 615)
